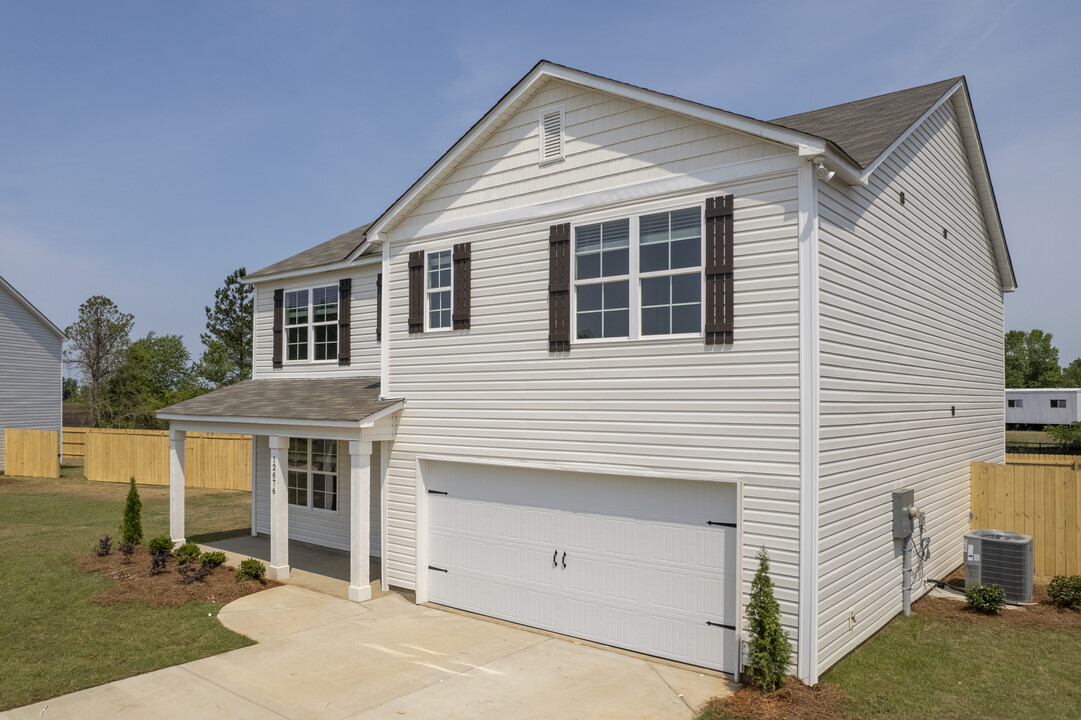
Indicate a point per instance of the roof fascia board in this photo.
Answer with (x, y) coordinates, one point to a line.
(254, 421)
(805, 144)
(378, 415)
(867, 171)
(33, 310)
(981, 174)
(303, 272)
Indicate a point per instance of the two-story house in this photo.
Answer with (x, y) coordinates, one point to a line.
(614, 342)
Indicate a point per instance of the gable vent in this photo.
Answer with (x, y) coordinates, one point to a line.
(551, 134)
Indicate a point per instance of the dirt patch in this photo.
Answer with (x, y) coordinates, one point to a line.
(136, 584)
(794, 701)
(1040, 614)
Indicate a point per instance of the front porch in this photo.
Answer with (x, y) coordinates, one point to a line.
(318, 472)
(321, 569)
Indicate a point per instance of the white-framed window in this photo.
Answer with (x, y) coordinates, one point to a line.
(313, 473)
(438, 290)
(1015, 403)
(311, 324)
(1059, 403)
(640, 276)
(551, 134)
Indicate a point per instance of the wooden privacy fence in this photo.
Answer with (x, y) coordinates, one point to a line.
(32, 453)
(74, 439)
(1073, 462)
(1044, 502)
(211, 460)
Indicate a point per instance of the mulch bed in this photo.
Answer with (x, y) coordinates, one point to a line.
(1041, 614)
(136, 584)
(794, 701)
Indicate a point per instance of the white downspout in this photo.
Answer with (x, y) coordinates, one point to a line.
(807, 648)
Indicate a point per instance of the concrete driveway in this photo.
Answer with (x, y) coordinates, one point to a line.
(322, 657)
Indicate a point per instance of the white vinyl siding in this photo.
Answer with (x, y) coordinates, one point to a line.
(30, 358)
(911, 326)
(609, 142)
(364, 349)
(318, 527)
(662, 403)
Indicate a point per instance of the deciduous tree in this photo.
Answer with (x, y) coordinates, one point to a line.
(157, 371)
(96, 342)
(1031, 360)
(1071, 375)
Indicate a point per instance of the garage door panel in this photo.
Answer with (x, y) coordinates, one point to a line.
(635, 562)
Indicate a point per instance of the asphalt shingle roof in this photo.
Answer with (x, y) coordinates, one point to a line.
(331, 251)
(348, 399)
(865, 128)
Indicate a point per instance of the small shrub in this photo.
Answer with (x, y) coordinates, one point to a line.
(188, 552)
(1065, 591)
(251, 569)
(131, 529)
(989, 599)
(193, 573)
(769, 647)
(105, 545)
(211, 560)
(158, 562)
(126, 549)
(161, 544)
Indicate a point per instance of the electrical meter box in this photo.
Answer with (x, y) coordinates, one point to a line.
(902, 523)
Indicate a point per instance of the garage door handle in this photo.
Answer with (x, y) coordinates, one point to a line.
(555, 558)
(564, 561)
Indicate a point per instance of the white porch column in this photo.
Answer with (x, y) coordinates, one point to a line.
(279, 511)
(360, 461)
(176, 485)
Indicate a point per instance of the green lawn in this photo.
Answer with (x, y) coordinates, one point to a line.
(54, 638)
(924, 668)
(1028, 436)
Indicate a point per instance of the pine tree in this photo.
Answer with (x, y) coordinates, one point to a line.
(131, 529)
(770, 647)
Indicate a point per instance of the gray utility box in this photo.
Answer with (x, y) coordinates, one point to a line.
(902, 523)
(996, 557)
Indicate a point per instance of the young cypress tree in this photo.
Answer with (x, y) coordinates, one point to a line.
(131, 529)
(769, 647)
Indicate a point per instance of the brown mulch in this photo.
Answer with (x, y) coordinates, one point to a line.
(136, 584)
(794, 701)
(1040, 614)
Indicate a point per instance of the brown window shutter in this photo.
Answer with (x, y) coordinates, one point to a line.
(416, 291)
(345, 297)
(719, 270)
(462, 285)
(379, 307)
(559, 288)
(279, 324)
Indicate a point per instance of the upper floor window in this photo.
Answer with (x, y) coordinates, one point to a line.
(1058, 403)
(438, 290)
(311, 324)
(639, 276)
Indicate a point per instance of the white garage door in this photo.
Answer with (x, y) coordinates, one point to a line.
(643, 564)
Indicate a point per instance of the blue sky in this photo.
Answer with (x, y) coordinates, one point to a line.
(149, 148)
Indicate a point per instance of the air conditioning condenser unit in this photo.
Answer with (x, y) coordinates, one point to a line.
(997, 557)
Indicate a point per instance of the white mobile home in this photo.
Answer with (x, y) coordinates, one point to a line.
(1036, 407)
(613, 342)
(31, 394)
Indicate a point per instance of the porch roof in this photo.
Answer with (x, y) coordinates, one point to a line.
(325, 399)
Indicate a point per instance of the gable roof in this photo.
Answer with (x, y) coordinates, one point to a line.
(332, 251)
(852, 139)
(33, 310)
(864, 129)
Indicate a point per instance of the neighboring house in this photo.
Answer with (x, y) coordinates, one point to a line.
(1037, 407)
(613, 342)
(31, 395)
